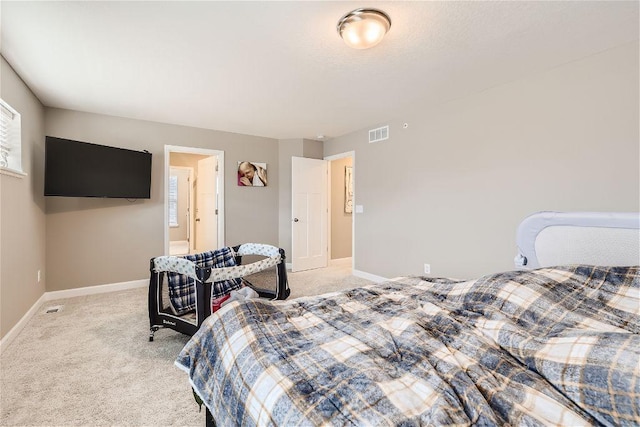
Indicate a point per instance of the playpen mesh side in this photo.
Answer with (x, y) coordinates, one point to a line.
(165, 303)
(182, 292)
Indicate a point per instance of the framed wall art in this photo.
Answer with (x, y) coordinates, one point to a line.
(252, 174)
(348, 189)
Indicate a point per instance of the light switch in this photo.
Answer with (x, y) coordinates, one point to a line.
(359, 208)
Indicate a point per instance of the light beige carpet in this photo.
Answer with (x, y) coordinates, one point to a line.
(91, 364)
(334, 278)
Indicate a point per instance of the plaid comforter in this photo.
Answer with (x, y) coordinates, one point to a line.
(554, 346)
(182, 288)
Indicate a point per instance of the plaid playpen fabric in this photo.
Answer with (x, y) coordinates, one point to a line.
(556, 346)
(182, 289)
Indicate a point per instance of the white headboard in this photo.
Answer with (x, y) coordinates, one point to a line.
(560, 238)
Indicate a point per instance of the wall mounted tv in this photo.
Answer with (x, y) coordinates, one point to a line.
(81, 169)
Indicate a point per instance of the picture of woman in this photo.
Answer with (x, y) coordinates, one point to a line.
(252, 174)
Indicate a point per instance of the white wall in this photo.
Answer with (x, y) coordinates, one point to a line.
(101, 241)
(22, 217)
(451, 189)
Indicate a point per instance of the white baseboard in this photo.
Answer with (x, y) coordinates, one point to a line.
(13, 333)
(99, 289)
(67, 293)
(369, 276)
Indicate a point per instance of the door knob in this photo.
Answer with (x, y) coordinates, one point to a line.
(295, 219)
(197, 219)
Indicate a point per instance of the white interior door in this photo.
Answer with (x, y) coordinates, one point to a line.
(206, 232)
(309, 213)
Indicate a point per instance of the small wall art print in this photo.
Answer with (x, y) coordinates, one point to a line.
(348, 189)
(252, 174)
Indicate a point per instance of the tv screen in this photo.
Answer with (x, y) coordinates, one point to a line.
(80, 169)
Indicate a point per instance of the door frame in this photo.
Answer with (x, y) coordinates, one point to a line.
(190, 226)
(351, 154)
(168, 149)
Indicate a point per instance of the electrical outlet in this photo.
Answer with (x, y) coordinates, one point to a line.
(427, 269)
(39, 276)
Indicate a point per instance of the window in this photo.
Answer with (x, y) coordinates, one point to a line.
(10, 139)
(173, 201)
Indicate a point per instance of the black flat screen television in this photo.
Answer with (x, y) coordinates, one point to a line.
(81, 169)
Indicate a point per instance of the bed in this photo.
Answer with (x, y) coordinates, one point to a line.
(552, 345)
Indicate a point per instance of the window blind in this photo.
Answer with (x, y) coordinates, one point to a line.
(173, 201)
(10, 141)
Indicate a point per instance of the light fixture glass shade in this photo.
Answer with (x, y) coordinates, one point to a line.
(363, 28)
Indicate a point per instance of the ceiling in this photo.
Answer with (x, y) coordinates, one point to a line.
(279, 69)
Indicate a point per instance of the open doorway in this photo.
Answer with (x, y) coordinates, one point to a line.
(341, 209)
(322, 205)
(194, 200)
(181, 218)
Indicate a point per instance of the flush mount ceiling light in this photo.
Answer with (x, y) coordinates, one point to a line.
(363, 28)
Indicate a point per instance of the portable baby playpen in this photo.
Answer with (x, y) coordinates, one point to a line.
(182, 289)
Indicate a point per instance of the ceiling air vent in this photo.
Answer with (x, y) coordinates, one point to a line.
(379, 134)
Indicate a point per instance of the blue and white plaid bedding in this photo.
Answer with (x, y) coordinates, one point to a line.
(182, 288)
(555, 346)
